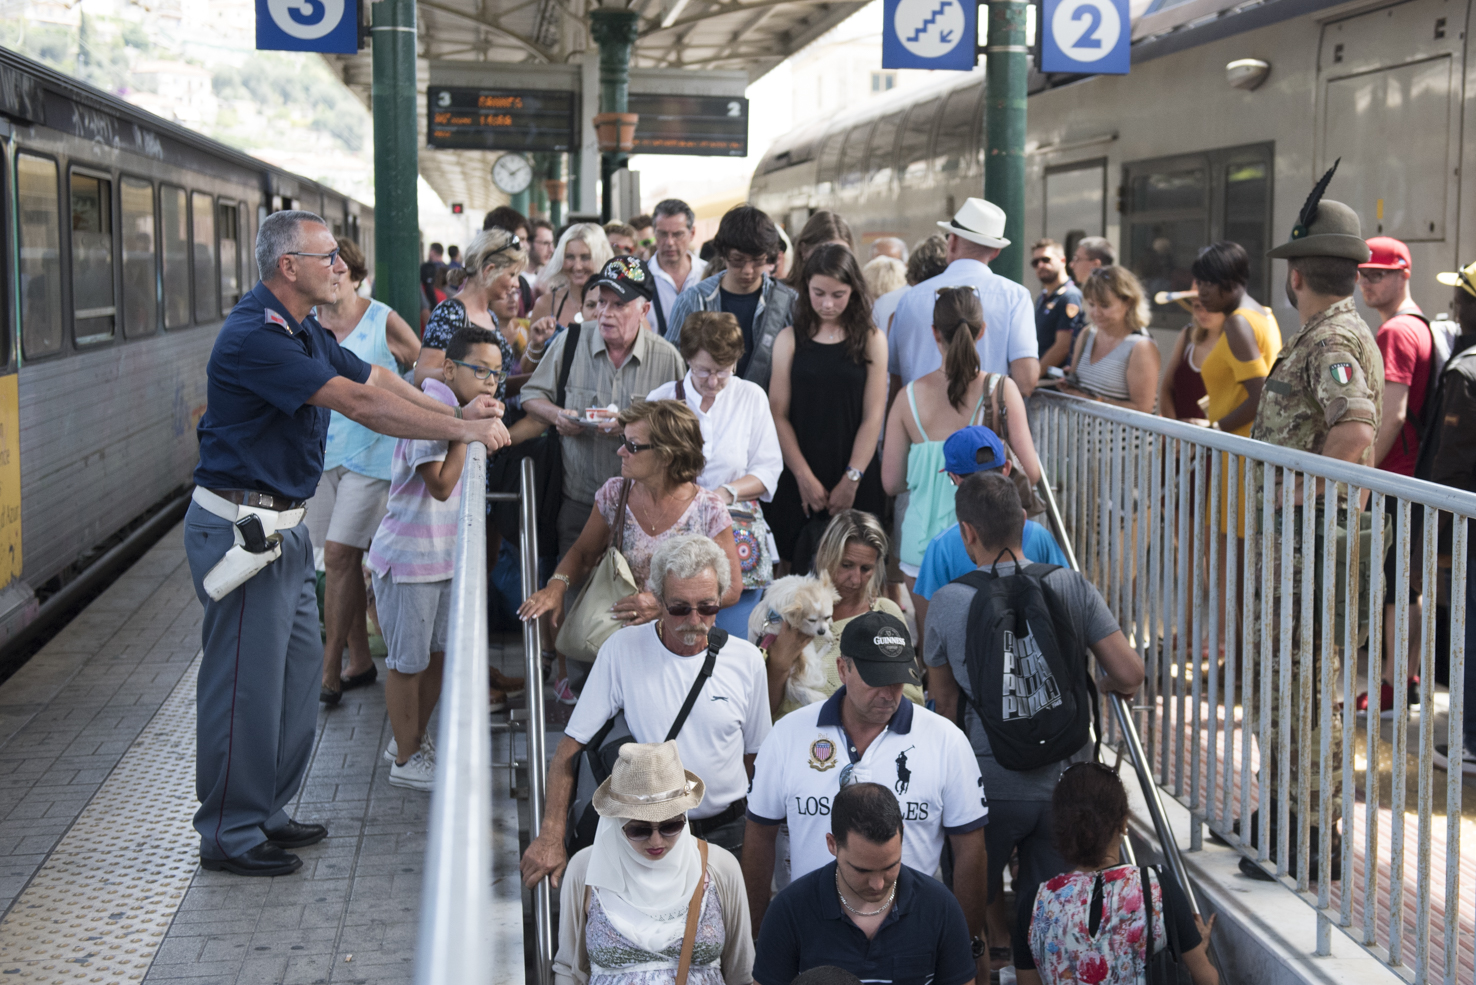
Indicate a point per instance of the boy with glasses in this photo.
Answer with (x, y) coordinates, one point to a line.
(411, 559)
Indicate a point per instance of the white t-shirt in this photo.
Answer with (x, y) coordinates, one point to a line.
(738, 434)
(1009, 322)
(920, 756)
(635, 673)
(884, 307)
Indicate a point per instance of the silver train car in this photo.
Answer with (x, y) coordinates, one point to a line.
(1187, 148)
(126, 241)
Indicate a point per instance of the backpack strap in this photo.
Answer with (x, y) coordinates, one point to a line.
(716, 639)
(571, 348)
(660, 314)
(681, 391)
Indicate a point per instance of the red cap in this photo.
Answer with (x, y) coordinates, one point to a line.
(1386, 253)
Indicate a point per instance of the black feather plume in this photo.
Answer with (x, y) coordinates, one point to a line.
(1308, 215)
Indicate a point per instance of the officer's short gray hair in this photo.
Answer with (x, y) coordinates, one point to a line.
(687, 556)
(280, 234)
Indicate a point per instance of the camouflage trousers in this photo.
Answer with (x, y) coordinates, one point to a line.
(1306, 687)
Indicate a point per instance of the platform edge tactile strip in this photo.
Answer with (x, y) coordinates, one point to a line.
(98, 908)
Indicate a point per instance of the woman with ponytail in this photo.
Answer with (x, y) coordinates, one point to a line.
(934, 406)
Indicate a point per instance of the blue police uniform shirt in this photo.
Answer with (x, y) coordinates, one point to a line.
(947, 558)
(923, 940)
(259, 432)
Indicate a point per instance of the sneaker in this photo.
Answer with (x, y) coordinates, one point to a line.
(563, 693)
(418, 773)
(496, 700)
(510, 686)
(1468, 760)
(1386, 698)
(392, 751)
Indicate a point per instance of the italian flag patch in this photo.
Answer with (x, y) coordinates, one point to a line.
(1342, 372)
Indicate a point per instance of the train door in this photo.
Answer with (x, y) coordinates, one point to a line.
(1174, 206)
(12, 555)
(1075, 202)
(1389, 103)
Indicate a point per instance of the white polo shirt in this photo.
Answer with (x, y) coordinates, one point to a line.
(920, 756)
(635, 673)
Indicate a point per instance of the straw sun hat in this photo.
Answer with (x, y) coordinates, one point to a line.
(648, 784)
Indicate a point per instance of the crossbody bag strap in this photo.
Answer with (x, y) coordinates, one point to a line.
(571, 348)
(660, 313)
(681, 393)
(617, 534)
(716, 640)
(694, 911)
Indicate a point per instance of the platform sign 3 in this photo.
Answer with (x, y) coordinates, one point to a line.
(308, 25)
(1086, 36)
(936, 34)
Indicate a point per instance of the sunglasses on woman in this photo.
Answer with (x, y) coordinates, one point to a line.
(635, 448)
(683, 609)
(636, 831)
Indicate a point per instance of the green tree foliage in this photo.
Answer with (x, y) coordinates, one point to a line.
(296, 89)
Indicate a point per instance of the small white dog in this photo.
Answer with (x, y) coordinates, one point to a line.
(805, 603)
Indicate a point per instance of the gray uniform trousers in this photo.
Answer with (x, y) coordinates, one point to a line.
(257, 699)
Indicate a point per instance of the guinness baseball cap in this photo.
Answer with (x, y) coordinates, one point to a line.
(628, 277)
(1465, 278)
(879, 644)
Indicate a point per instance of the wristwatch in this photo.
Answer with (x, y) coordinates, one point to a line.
(560, 576)
(458, 412)
(978, 945)
(731, 491)
(854, 474)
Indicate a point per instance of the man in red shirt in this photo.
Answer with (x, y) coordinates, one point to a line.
(1405, 342)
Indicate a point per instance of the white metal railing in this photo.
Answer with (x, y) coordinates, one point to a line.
(1141, 500)
(537, 758)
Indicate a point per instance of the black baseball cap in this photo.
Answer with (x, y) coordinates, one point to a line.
(879, 644)
(628, 277)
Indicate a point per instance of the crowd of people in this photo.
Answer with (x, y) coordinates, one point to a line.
(828, 678)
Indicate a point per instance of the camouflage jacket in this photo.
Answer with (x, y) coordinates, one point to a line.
(1328, 373)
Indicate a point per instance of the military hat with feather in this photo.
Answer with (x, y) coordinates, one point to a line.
(1324, 228)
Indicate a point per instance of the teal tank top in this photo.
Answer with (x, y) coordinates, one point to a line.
(930, 508)
(351, 444)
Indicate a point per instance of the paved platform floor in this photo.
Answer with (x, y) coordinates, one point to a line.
(98, 873)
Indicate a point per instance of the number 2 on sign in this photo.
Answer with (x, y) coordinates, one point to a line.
(1088, 37)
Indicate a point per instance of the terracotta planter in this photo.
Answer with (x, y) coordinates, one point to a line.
(616, 131)
(555, 189)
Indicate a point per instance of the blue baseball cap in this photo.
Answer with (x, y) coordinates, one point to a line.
(973, 449)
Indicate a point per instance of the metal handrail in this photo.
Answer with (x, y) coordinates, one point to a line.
(536, 726)
(456, 898)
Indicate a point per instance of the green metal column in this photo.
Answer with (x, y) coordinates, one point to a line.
(1007, 68)
(556, 173)
(576, 176)
(615, 31)
(396, 149)
(520, 200)
(542, 169)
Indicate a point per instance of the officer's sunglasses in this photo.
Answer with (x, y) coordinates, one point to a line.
(683, 609)
(668, 829)
(483, 372)
(332, 258)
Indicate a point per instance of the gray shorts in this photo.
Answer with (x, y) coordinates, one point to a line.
(347, 508)
(415, 617)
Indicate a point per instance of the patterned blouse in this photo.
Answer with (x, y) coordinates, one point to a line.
(1061, 941)
(707, 514)
(450, 317)
(613, 960)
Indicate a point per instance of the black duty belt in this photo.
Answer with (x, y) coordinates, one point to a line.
(707, 824)
(260, 500)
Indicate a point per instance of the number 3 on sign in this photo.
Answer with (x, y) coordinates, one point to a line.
(1086, 36)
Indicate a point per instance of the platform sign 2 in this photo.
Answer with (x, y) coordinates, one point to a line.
(330, 26)
(1086, 36)
(936, 34)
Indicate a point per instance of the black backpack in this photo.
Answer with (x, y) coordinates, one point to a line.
(1028, 674)
(1443, 334)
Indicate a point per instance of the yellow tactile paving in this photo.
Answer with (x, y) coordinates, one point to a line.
(97, 910)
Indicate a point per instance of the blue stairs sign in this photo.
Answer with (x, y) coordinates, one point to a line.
(933, 34)
(330, 26)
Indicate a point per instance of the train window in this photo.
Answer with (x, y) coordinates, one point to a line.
(202, 225)
(1076, 202)
(140, 259)
(94, 306)
(1390, 130)
(956, 151)
(38, 219)
(917, 133)
(852, 169)
(883, 150)
(230, 254)
(1247, 208)
(174, 222)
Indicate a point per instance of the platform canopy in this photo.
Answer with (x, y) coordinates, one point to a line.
(751, 36)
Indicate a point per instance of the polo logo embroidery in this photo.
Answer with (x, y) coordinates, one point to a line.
(272, 318)
(904, 775)
(889, 643)
(1341, 372)
(822, 755)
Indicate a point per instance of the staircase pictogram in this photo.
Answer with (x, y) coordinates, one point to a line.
(928, 21)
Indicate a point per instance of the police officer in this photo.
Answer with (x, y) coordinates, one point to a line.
(1323, 396)
(274, 374)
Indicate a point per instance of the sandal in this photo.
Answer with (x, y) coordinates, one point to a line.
(330, 697)
(361, 680)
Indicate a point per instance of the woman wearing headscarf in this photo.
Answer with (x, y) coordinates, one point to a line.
(629, 899)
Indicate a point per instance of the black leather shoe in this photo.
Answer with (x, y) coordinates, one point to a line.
(330, 697)
(265, 859)
(360, 680)
(296, 835)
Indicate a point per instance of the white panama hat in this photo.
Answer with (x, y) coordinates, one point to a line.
(979, 221)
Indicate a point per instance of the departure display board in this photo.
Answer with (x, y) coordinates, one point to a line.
(464, 118)
(707, 126)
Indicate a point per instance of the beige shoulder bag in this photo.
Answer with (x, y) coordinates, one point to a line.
(589, 621)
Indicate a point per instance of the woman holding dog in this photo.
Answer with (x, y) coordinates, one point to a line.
(739, 444)
(852, 557)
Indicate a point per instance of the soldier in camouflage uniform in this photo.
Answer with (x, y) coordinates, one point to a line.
(1322, 396)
